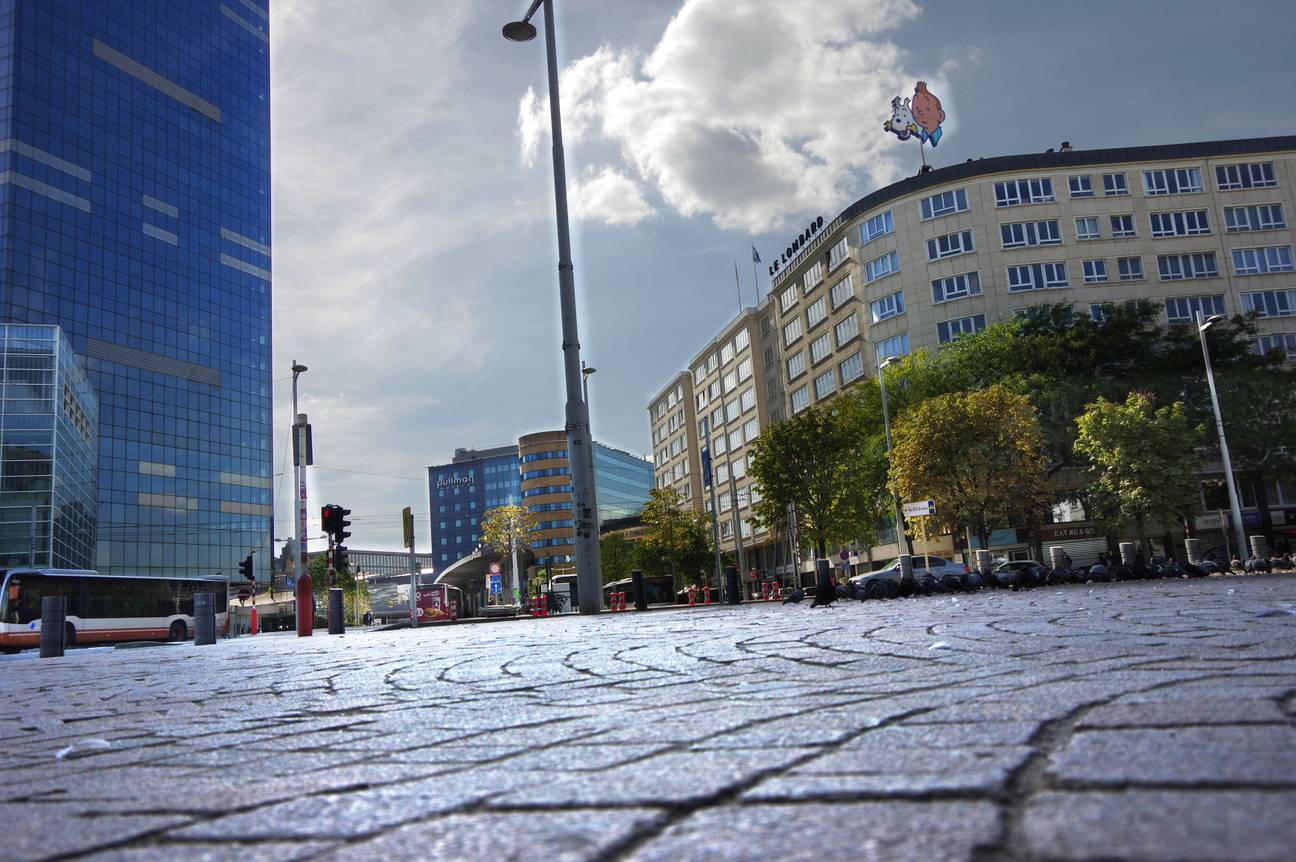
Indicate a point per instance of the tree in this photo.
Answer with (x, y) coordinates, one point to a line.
(508, 529)
(676, 538)
(1142, 461)
(617, 555)
(825, 461)
(354, 591)
(978, 455)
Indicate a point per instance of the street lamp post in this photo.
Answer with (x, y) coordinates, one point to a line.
(579, 445)
(302, 588)
(886, 430)
(586, 371)
(1236, 509)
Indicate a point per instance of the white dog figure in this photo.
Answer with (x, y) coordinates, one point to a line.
(902, 123)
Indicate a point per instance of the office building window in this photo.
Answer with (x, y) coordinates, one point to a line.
(879, 225)
(1081, 186)
(796, 365)
(842, 291)
(888, 306)
(948, 330)
(1270, 303)
(727, 353)
(1037, 276)
(884, 265)
(950, 245)
(1283, 342)
(813, 276)
(1029, 191)
(847, 329)
(1187, 223)
(896, 345)
(800, 399)
(825, 384)
(1258, 217)
(820, 348)
(1026, 233)
(747, 400)
(744, 369)
(741, 340)
(1257, 261)
(1095, 271)
(1130, 268)
(1087, 228)
(817, 312)
(852, 368)
(956, 287)
(1172, 181)
(1122, 226)
(1182, 309)
(838, 254)
(751, 428)
(1179, 267)
(788, 298)
(1115, 185)
(1257, 175)
(792, 330)
(942, 204)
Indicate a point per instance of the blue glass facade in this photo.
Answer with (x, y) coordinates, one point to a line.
(135, 214)
(621, 482)
(461, 491)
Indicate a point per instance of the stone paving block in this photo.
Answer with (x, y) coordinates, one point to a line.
(894, 771)
(48, 829)
(856, 832)
(1162, 826)
(1177, 712)
(261, 851)
(1251, 754)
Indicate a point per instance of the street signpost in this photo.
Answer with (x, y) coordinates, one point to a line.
(921, 510)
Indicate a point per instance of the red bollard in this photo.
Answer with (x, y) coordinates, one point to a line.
(706, 595)
(252, 627)
(692, 597)
(305, 607)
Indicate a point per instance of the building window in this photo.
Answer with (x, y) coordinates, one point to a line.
(1130, 268)
(888, 306)
(817, 312)
(1115, 185)
(1025, 233)
(956, 287)
(800, 399)
(896, 345)
(1257, 261)
(1122, 226)
(796, 365)
(720, 444)
(741, 340)
(751, 428)
(792, 331)
(767, 325)
(732, 410)
(730, 380)
(1179, 267)
(825, 384)
(942, 204)
(1283, 342)
(847, 329)
(1087, 228)
(1270, 303)
(852, 369)
(1030, 191)
(1182, 309)
(948, 330)
(950, 245)
(1037, 276)
(1258, 217)
(879, 266)
(820, 348)
(744, 369)
(1172, 181)
(1095, 271)
(842, 291)
(735, 439)
(879, 225)
(727, 353)
(1187, 223)
(813, 276)
(747, 400)
(1081, 186)
(838, 254)
(788, 298)
(1257, 175)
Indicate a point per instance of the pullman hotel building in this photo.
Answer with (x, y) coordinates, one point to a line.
(1201, 227)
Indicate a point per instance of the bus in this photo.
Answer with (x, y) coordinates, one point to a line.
(103, 608)
(389, 599)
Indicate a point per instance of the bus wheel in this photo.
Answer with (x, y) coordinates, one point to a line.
(69, 635)
(179, 631)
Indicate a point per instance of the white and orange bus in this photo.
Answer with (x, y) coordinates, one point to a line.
(103, 608)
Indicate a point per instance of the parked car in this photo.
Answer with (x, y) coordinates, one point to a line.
(1016, 574)
(885, 582)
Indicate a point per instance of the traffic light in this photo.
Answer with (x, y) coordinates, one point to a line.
(341, 523)
(339, 557)
(407, 522)
(245, 568)
(328, 518)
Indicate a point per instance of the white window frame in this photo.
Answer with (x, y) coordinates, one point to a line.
(1022, 234)
(1270, 303)
(792, 330)
(1262, 260)
(1245, 176)
(1027, 190)
(1179, 223)
(1192, 304)
(896, 345)
(796, 365)
(1172, 181)
(1125, 273)
(849, 326)
(1095, 271)
(943, 204)
(1118, 185)
(851, 369)
(1126, 228)
(950, 245)
(953, 287)
(800, 399)
(813, 276)
(882, 266)
(821, 348)
(838, 254)
(1254, 217)
(1080, 186)
(878, 226)
(960, 326)
(825, 384)
(816, 313)
(1087, 222)
(1188, 266)
(887, 307)
(842, 291)
(788, 298)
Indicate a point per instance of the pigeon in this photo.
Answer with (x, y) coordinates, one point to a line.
(795, 597)
(824, 596)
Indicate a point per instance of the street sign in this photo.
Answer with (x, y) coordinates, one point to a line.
(494, 568)
(844, 556)
(706, 467)
(920, 509)
(497, 584)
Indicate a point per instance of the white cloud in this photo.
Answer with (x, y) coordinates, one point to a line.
(751, 112)
(609, 196)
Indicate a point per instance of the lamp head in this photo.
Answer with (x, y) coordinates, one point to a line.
(298, 368)
(589, 369)
(1211, 321)
(519, 31)
(890, 360)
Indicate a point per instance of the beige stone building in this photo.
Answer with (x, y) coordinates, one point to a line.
(1202, 227)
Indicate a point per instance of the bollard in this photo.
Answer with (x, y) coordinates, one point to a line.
(305, 606)
(636, 584)
(337, 625)
(623, 602)
(1057, 557)
(254, 624)
(204, 615)
(53, 620)
(733, 589)
(1192, 547)
(1259, 547)
(692, 597)
(906, 568)
(706, 595)
(1127, 553)
(983, 562)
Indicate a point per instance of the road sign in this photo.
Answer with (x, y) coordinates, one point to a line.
(497, 584)
(844, 556)
(494, 568)
(920, 509)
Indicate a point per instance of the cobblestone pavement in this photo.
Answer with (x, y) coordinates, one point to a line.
(1150, 720)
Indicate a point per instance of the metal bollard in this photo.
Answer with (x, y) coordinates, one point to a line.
(1057, 557)
(733, 589)
(204, 615)
(1192, 547)
(983, 562)
(1259, 547)
(53, 620)
(1127, 553)
(337, 624)
(906, 567)
(636, 579)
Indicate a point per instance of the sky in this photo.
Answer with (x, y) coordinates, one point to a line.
(415, 249)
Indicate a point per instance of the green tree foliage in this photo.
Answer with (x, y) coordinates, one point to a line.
(828, 462)
(618, 556)
(1142, 461)
(978, 455)
(355, 592)
(677, 539)
(506, 529)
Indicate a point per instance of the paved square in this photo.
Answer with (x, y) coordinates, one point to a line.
(1151, 721)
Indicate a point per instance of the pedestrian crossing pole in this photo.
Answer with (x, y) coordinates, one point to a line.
(407, 524)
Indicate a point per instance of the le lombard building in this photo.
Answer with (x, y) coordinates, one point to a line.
(135, 216)
(1202, 227)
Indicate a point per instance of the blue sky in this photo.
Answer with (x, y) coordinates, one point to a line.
(415, 250)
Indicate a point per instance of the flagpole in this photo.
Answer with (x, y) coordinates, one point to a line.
(738, 285)
(755, 281)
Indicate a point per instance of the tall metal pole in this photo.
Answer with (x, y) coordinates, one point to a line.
(886, 430)
(305, 627)
(1238, 528)
(708, 476)
(413, 587)
(580, 449)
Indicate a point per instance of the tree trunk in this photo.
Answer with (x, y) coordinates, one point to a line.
(1262, 502)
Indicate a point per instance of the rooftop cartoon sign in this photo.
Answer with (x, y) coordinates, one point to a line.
(919, 116)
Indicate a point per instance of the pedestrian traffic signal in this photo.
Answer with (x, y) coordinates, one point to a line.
(339, 557)
(245, 568)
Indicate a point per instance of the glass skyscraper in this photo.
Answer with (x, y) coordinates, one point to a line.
(135, 215)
